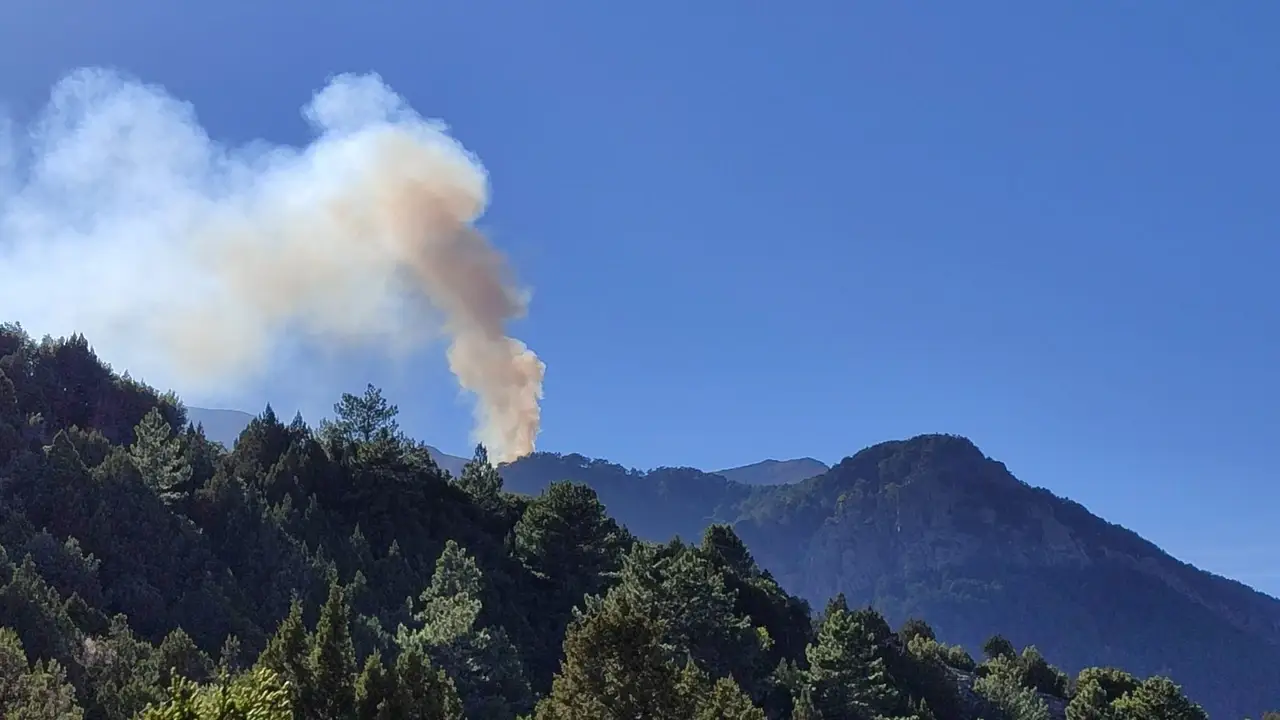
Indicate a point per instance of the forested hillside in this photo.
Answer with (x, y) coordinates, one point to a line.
(930, 527)
(337, 572)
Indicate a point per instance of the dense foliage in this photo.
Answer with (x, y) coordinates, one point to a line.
(930, 527)
(337, 572)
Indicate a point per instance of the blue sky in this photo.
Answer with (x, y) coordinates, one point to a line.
(783, 229)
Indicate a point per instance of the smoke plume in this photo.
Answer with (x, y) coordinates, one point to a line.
(190, 261)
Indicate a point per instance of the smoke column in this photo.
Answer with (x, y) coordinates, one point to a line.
(191, 261)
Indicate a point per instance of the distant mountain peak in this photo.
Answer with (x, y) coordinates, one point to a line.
(775, 472)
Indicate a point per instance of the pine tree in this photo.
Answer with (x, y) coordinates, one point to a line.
(256, 695)
(1158, 697)
(480, 479)
(615, 668)
(45, 694)
(332, 658)
(231, 656)
(422, 692)
(482, 661)
(366, 418)
(159, 457)
(374, 689)
(566, 535)
(803, 708)
(286, 655)
(848, 677)
(726, 701)
(683, 589)
(178, 654)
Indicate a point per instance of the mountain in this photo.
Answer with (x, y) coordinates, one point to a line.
(222, 426)
(225, 426)
(775, 472)
(139, 567)
(931, 527)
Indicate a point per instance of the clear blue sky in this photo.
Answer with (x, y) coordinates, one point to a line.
(782, 229)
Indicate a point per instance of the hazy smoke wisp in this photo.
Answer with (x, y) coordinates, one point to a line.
(188, 261)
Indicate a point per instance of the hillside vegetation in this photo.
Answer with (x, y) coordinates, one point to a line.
(930, 527)
(338, 572)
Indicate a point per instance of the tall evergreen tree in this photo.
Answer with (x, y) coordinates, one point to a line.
(368, 418)
(159, 457)
(332, 659)
(480, 479)
(848, 676)
(482, 661)
(615, 668)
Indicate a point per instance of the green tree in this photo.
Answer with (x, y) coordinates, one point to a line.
(1096, 690)
(374, 689)
(38, 692)
(914, 628)
(482, 661)
(1157, 698)
(122, 672)
(178, 654)
(366, 418)
(480, 479)
(566, 536)
(683, 589)
(997, 646)
(726, 701)
(421, 691)
(1002, 687)
(286, 656)
(848, 676)
(159, 457)
(256, 695)
(615, 668)
(332, 659)
(803, 708)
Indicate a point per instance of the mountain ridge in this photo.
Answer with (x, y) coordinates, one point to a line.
(224, 426)
(775, 472)
(932, 527)
(924, 527)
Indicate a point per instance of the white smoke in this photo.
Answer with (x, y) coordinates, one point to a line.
(187, 260)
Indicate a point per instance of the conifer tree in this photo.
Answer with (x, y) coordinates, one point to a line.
(848, 677)
(422, 691)
(374, 689)
(286, 655)
(179, 655)
(332, 658)
(615, 668)
(481, 660)
(159, 457)
(480, 479)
